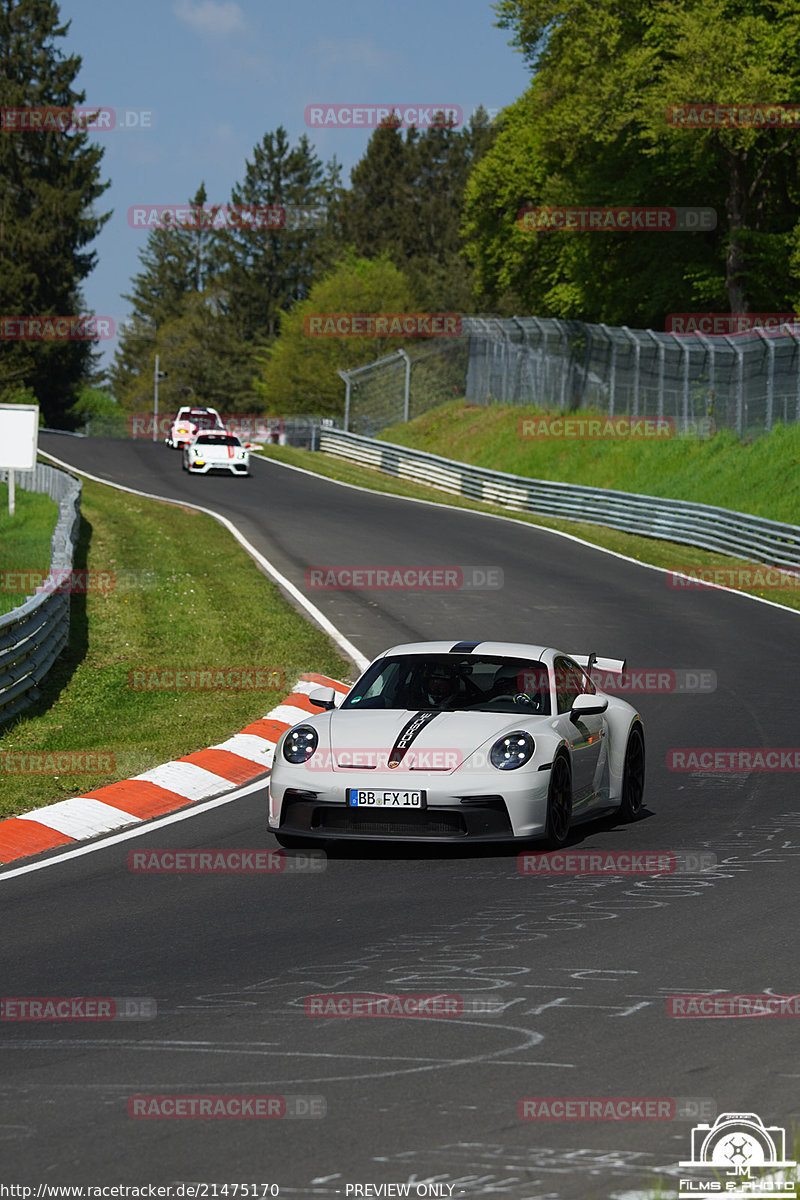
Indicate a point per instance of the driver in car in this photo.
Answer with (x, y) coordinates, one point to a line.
(440, 686)
(520, 687)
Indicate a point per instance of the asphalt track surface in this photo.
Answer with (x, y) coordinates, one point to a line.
(584, 966)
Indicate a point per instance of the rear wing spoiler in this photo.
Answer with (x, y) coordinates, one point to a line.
(591, 662)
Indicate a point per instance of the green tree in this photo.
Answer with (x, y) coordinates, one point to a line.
(298, 374)
(603, 79)
(406, 198)
(49, 184)
(262, 271)
(176, 267)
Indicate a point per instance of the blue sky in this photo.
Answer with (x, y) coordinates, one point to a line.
(216, 75)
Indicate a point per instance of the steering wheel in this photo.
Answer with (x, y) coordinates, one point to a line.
(517, 699)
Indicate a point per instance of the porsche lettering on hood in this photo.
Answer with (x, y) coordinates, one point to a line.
(427, 741)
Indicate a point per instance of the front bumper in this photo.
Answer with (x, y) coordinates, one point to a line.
(499, 807)
(233, 468)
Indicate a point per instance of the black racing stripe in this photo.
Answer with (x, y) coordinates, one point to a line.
(463, 647)
(409, 733)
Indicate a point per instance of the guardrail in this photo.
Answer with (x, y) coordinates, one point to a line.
(33, 635)
(719, 529)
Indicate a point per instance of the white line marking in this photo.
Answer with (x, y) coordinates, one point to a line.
(341, 641)
(142, 828)
(571, 537)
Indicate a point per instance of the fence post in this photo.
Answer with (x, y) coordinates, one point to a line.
(710, 351)
(564, 363)
(407, 387)
(739, 352)
(540, 357)
(770, 375)
(637, 359)
(794, 338)
(612, 382)
(661, 349)
(345, 376)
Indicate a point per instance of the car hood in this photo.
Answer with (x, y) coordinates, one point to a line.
(365, 740)
(212, 453)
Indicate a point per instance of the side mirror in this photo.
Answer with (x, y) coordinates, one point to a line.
(323, 698)
(586, 705)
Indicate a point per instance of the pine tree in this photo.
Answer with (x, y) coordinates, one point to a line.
(176, 266)
(406, 200)
(263, 270)
(49, 184)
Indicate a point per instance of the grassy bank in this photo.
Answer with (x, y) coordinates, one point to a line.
(24, 542)
(761, 477)
(185, 597)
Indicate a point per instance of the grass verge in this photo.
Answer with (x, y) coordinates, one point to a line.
(761, 477)
(674, 557)
(25, 542)
(187, 597)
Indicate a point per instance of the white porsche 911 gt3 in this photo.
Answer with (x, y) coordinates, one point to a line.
(465, 741)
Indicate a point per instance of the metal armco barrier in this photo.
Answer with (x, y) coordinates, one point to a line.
(719, 529)
(33, 635)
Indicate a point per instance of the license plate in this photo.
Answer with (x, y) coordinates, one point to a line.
(384, 798)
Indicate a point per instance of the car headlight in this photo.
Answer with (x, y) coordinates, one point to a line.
(300, 744)
(512, 750)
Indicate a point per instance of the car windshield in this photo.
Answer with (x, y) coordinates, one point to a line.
(210, 439)
(455, 683)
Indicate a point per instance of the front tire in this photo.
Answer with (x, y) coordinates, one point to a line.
(633, 776)
(559, 804)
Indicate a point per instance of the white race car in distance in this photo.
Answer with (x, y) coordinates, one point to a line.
(465, 741)
(216, 451)
(190, 421)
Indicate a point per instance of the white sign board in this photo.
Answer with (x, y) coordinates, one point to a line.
(19, 436)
